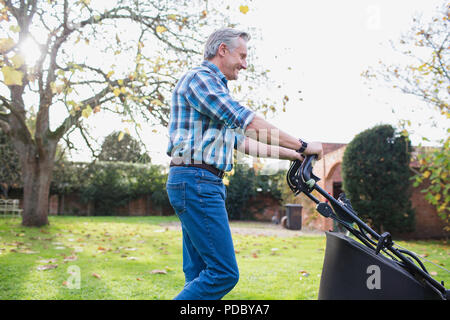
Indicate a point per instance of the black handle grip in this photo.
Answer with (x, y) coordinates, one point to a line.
(306, 168)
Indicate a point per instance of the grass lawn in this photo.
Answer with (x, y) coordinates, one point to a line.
(141, 258)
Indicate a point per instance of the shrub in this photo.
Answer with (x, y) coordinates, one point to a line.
(376, 178)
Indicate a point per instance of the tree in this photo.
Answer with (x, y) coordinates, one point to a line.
(119, 146)
(376, 178)
(9, 165)
(122, 57)
(426, 75)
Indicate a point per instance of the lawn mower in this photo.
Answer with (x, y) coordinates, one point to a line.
(373, 267)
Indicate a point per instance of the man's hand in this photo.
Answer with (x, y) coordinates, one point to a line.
(314, 148)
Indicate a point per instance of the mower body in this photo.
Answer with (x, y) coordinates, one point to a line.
(352, 271)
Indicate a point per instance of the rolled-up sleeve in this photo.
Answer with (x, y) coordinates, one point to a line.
(208, 96)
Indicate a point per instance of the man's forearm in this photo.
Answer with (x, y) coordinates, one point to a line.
(258, 149)
(261, 130)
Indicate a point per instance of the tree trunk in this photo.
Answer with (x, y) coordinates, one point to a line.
(36, 176)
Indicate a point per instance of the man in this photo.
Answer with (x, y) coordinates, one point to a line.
(205, 125)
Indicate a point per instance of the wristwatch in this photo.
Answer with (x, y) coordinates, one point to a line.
(303, 147)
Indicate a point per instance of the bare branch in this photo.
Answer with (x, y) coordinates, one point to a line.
(71, 120)
(85, 138)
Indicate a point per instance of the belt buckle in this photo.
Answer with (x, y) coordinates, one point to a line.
(221, 174)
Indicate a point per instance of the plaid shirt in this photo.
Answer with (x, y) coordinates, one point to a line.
(206, 123)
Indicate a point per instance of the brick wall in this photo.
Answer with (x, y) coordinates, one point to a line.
(428, 223)
(263, 207)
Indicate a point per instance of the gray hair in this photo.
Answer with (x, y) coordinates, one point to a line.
(228, 36)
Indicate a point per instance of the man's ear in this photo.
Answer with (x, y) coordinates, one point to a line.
(222, 49)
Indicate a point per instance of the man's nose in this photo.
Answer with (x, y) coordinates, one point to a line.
(244, 65)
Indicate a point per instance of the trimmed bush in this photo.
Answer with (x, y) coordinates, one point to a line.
(376, 178)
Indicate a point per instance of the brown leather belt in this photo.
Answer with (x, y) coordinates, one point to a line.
(203, 165)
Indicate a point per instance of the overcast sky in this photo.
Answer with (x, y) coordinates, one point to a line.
(320, 48)
(328, 44)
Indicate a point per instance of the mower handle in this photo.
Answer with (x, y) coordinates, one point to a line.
(306, 170)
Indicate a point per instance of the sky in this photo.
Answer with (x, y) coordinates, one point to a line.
(321, 48)
(328, 45)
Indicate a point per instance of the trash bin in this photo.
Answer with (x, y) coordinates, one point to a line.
(294, 216)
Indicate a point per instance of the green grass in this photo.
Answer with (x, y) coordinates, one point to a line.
(116, 258)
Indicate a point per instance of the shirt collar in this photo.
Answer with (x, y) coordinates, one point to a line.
(216, 70)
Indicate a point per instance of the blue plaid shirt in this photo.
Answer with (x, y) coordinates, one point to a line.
(206, 123)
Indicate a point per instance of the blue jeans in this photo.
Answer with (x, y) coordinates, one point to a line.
(209, 261)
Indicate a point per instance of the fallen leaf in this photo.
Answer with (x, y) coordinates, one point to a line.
(48, 261)
(304, 273)
(96, 275)
(47, 267)
(27, 251)
(139, 279)
(132, 258)
(70, 258)
(156, 271)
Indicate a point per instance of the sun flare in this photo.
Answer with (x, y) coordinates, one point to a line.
(30, 50)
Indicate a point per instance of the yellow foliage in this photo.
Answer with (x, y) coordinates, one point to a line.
(6, 44)
(161, 29)
(12, 76)
(243, 9)
(18, 61)
(86, 112)
(55, 88)
(157, 102)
